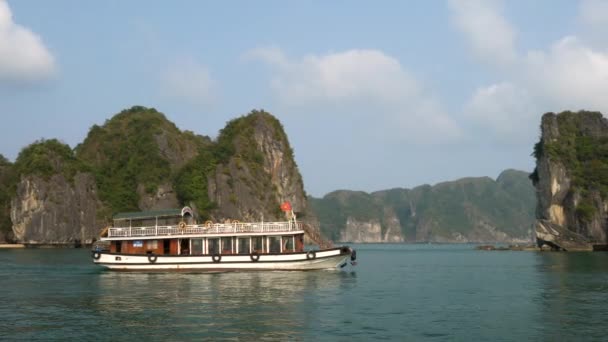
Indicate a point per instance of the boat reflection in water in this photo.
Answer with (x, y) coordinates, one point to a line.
(276, 305)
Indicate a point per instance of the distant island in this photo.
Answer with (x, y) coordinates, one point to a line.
(466, 210)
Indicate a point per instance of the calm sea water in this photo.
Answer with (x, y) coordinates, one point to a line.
(397, 292)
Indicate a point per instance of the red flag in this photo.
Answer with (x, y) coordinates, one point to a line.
(286, 206)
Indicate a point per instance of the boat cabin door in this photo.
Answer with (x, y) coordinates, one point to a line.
(184, 246)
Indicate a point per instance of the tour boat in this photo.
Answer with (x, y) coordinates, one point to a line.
(172, 240)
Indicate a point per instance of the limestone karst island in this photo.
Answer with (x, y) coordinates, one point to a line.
(571, 180)
(138, 160)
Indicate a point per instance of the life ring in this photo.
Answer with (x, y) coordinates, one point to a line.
(254, 256)
(208, 224)
(311, 255)
(152, 257)
(236, 221)
(182, 225)
(96, 255)
(216, 257)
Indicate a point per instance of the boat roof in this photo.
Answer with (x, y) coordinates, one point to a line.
(148, 214)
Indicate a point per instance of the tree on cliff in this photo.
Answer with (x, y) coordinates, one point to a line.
(46, 158)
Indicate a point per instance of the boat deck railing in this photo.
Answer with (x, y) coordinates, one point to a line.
(205, 229)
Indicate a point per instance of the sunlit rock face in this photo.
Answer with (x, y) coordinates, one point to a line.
(55, 211)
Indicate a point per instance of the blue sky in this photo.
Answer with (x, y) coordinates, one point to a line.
(373, 95)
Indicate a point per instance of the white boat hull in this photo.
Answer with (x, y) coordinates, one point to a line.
(323, 259)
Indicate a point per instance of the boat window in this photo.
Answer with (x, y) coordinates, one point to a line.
(213, 245)
(257, 244)
(287, 243)
(197, 246)
(152, 244)
(226, 245)
(243, 245)
(275, 244)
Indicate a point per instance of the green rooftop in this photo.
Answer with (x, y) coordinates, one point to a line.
(148, 214)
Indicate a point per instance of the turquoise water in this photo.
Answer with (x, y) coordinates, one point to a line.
(396, 292)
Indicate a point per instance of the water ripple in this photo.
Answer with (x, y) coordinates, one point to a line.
(398, 292)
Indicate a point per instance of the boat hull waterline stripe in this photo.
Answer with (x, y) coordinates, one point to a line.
(320, 262)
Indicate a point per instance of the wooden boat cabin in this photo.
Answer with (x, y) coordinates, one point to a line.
(176, 232)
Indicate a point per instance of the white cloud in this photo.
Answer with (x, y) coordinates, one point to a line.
(350, 75)
(507, 109)
(359, 84)
(23, 56)
(570, 75)
(188, 81)
(490, 35)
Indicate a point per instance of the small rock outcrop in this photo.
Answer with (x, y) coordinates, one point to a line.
(571, 180)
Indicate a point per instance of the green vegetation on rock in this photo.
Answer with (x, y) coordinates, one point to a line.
(45, 158)
(240, 154)
(191, 183)
(137, 147)
(583, 150)
(236, 140)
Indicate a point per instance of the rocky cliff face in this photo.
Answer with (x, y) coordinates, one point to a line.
(571, 180)
(466, 210)
(56, 211)
(6, 233)
(258, 174)
(387, 230)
